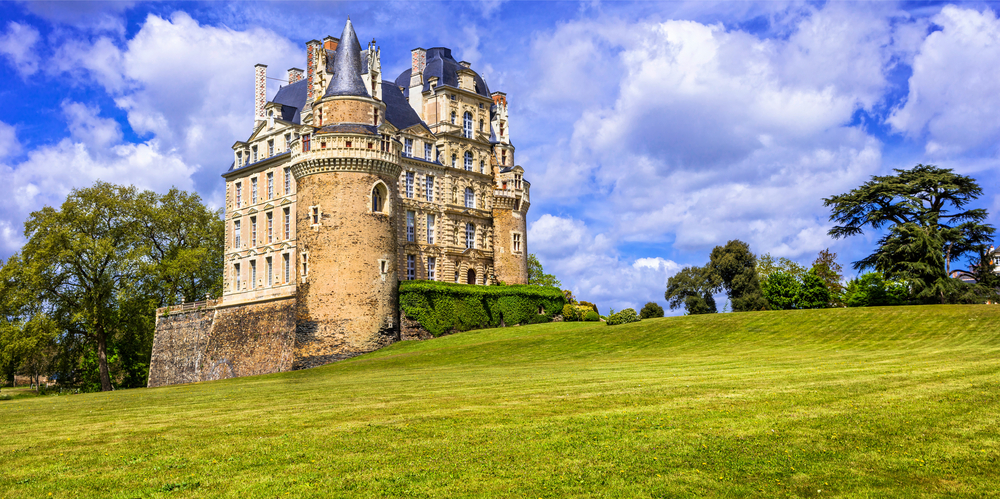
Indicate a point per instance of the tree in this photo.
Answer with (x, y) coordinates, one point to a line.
(781, 290)
(831, 273)
(813, 292)
(927, 227)
(101, 264)
(650, 310)
(692, 288)
(871, 290)
(736, 266)
(537, 276)
(767, 265)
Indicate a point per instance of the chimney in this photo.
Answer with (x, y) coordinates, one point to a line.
(260, 93)
(418, 61)
(312, 47)
(330, 43)
(294, 75)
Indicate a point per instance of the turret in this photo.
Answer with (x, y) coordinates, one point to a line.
(346, 174)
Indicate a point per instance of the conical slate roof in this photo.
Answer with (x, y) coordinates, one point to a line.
(346, 78)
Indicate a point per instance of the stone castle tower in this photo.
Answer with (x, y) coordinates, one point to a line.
(349, 184)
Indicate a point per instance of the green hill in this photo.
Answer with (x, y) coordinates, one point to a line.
(881, 402)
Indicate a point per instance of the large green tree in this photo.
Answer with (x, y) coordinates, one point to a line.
(924, 212)
(537, 275)
(692, 288)
(101, 264)
(736, 265)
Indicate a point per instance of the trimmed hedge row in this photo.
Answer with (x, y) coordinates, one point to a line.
(441, 307)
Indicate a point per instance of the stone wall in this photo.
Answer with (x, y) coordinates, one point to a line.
(223, 342)
(510, 267)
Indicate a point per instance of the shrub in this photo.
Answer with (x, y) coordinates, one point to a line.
(871, 290)
(569, 312)
(587, 304)
(781, 290)
(624, 317)
(441, 307)
(650, 310)
(592, 316)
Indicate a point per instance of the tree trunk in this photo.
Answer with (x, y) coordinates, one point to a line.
(102, 362)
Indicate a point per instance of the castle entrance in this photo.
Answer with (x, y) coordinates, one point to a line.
(471, 277)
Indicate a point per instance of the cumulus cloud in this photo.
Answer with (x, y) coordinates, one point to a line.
(94, 151)
(17, 45)
(9, 145)
(589, 265)
(954, 92)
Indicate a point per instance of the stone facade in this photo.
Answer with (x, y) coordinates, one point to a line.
(347, 185)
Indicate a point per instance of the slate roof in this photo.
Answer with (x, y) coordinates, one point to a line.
(346, 78)
(292, 99)
(441, 64)
(397, 108)
(349, 128)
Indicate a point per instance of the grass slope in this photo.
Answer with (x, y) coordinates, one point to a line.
(882, 402)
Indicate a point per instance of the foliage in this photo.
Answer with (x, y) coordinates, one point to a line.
(813, 292)
(832, 274)
(592, 316)
(927, 228)
(624, 317)
(736, 267)
(781, 290)
(537, 276)
(569, 312)
(100, 265)
(443, 307)
(651, 310)
(692, 288)
(767, 265)
(871, 290)
(587, 304)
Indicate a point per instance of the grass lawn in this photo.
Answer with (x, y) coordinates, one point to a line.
(880, 402)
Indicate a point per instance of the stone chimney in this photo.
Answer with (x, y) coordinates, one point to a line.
(418, 61)
(294, 75)
(259, 93)
(312, 49)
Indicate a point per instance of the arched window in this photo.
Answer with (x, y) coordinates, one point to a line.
(467, 125)
(378, 198)
(468, 161)
(470, 236)
(470, 198)
(453, 117)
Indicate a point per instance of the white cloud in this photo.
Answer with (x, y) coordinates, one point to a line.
(9, 144)
(954, 92)
(101, 60)
(18, 46)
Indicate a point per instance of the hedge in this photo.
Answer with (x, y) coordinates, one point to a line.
(441, 307)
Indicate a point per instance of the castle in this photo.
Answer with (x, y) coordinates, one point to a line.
(348, 184)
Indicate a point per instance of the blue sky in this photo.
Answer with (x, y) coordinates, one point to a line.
(651, 132)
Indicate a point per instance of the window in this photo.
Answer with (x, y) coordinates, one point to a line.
(239, 159)
(428, 150)
(410, 223)
(270, 273)
(454, 161)
(517, 242)
(411, 267)
(270, 185)
(456, 276)
(288, 180)
(253, 273)
(253, 231)
(236, 274)
(503, 157)
(517, 181)
(431, 264)
(453, 112)
(270, 227)
(284, 259)
(315, 215)
(378, 198)
(409, 184)
(470, 198)
(288, 140)
(429, 187)
(470, 236)
(482, 166)
(408, 147)
(467, 125)
(430, 229)
(236, 234)
(305, 143)
(501, 129)
(270, 148)
(239, 194)
(305, 264)
(288, 224)
(253, 190)
(452, 96)
(254, 149)
(481, 124)
(468, 161)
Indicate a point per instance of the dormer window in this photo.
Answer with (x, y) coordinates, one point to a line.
(427, 151)
(306, 142)
(270, 148)
(239, 159)
(408, 147)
